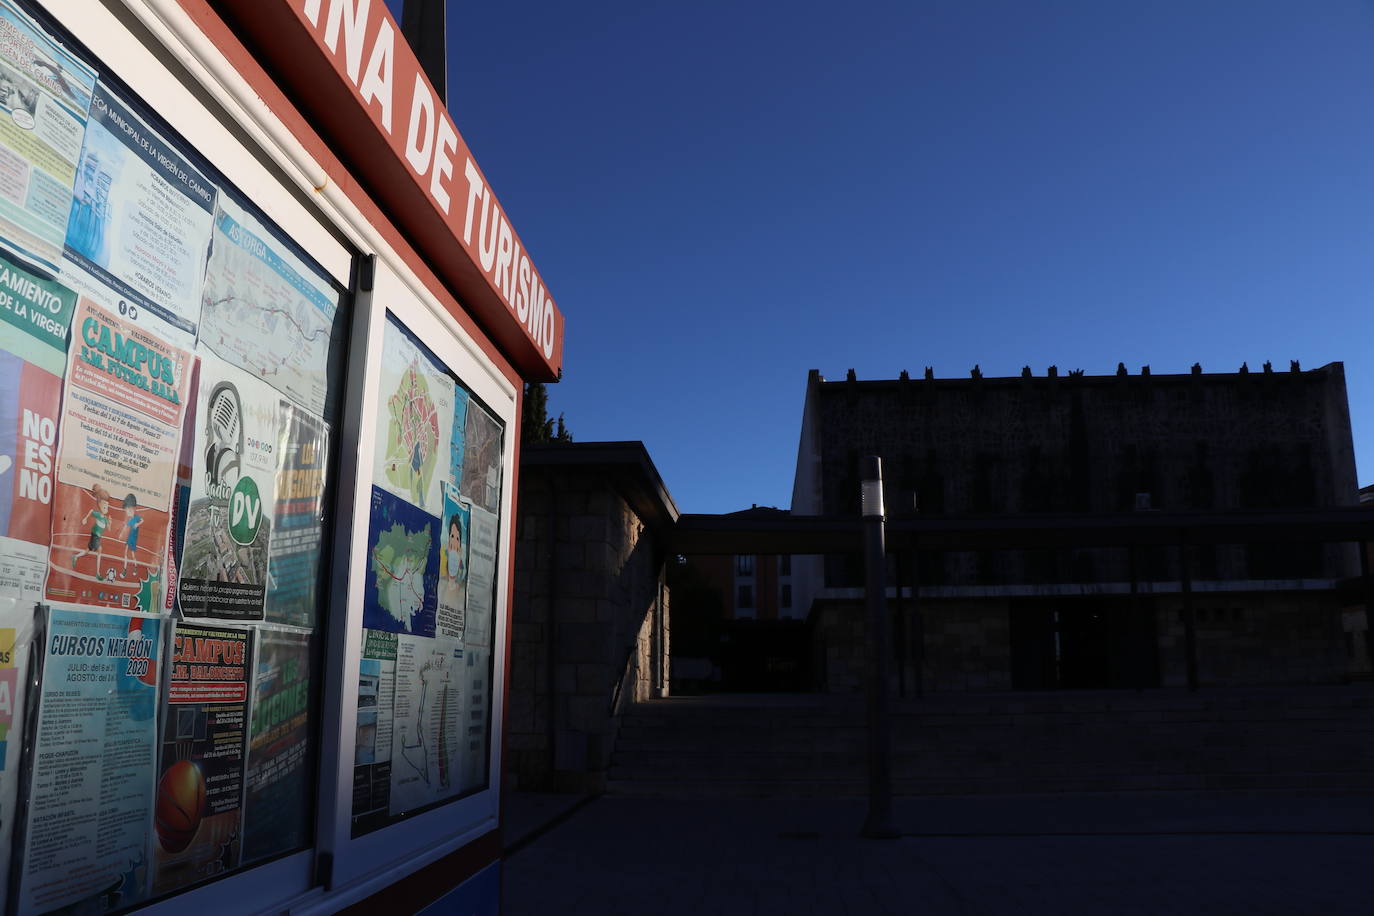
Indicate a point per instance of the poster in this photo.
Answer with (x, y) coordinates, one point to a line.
(200, 774)
(28, 442)
(44, 95)
(415, 424)
(118, 441)
(223, 569)
(426, 731)
(481, 579)
(373, 738)
(481, 480)
(298, 518)
(277, 809)
(476, 696)
(453, 565)
(401, 585)
(16, 636)
(265, 311)
(87, 834)
(35, 314)
(138, 243)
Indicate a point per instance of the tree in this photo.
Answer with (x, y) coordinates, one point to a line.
(535, 424)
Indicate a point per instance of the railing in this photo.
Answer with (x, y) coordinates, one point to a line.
(618, 687)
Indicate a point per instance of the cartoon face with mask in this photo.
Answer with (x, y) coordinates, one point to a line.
(453, 565)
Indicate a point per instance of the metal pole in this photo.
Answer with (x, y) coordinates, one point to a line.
(900, 642)
(1137, 662)
(1189, 618)
(918, 625)
(1368, 584)
(878, 825)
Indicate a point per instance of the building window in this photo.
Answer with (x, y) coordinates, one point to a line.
(785, 565)
(744, 564)
(785, 596)
(745, 597)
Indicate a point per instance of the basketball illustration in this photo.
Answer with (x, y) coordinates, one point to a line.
(180, 798)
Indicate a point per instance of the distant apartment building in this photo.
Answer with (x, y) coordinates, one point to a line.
(1080, 446)
(753, 586)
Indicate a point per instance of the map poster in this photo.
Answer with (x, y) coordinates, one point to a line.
(415, 422)
(276, 814)
(16, 637)
(460, 422)
(35, 314)
(481, 480)
(453, 565)
(44, 94)
(200, 777)
(142, 235)
(481, 579)
(426, 734)
(91, 789)
(28, 443)
(264, 310)
(298, 519)
(223, 569)
(117, 455)
(402, 582)
(476, 702)
(372, 741)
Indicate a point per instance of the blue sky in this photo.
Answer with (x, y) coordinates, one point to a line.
(723, 195)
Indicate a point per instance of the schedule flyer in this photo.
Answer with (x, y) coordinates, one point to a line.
(141, 246)
(88, 830)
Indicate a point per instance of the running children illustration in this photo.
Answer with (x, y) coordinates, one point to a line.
(132, 520)
(99, 518)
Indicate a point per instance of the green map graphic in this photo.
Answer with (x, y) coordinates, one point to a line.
(398, 562)
(412, 436)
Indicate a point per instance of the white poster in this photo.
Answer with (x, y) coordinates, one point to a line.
(413, 428)
(481, 579)
(426, 730)
(476, 703)
(223, 572)
(265, 311)
(141, 250)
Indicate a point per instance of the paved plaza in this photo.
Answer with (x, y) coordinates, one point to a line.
(1155, 853)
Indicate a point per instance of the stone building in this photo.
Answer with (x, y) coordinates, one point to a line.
(591, 627)
(1087, 447)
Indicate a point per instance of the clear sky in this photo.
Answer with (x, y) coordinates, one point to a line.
(725, 194)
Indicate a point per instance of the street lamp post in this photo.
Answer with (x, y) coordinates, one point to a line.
(879, 822)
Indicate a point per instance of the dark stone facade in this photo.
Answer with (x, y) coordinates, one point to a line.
(1088, 446)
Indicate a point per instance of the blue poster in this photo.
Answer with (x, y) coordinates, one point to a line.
(92, 786)
(403, 567)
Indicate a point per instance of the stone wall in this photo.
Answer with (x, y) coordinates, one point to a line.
(967, 646)
(1255, 638)
(1243, 638)
(590, 626)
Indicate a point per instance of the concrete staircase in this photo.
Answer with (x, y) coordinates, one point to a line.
(803, 745)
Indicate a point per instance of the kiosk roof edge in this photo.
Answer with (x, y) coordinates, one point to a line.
(351, 72)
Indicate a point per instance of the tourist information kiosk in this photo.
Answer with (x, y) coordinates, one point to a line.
(264, 328)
